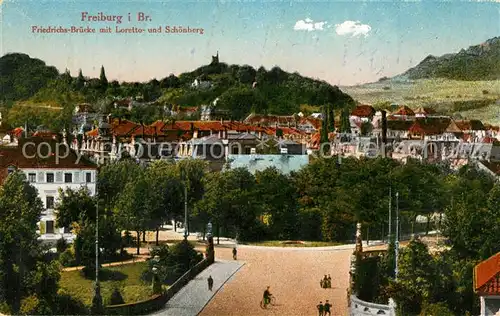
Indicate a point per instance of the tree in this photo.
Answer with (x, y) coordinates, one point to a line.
(331, 119)
(241, 101)
(168, 189)
(75, 206)
(415, 279)
(103, 81)
(229, 200)
(22, 272)
(324, 126)
(113, 178)
(137, 214)
(345, 125)
(80, 81)
(278, 199)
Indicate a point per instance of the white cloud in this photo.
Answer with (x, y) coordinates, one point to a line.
(352, 28)
(309, 25)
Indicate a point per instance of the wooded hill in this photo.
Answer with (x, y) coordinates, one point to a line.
(28, 82)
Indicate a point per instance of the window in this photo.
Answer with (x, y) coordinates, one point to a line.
(49, 202)
(68, 177)
(235, 150)
(67, 230)
(49, 227)
(88, 177)
(247, 150)
(32, 177)
(50, 177)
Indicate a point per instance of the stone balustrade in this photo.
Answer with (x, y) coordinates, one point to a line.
(362, 308)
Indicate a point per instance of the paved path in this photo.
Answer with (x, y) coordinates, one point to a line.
(193, 297)
(136, 259)
(293, 276)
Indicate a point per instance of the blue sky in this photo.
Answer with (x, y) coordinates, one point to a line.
(344, 43)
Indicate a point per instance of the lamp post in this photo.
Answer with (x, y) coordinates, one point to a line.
(156, 284)
(184, 178)
(97, 307)
(210, 246)
(396, 248)
(185, 212)
(209, 229)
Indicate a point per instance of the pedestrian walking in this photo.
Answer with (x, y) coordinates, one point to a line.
(235, 252)
(320, 308)
(327, 308)
(329, 282)
(210, 283)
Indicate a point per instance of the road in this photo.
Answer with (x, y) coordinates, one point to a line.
(292, 274)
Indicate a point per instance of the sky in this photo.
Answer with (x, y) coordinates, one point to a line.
(343, 43)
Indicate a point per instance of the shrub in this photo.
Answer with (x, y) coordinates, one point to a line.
(67, 258)
(116, 297)
(436, 309)
(485, 92)
(61, 245)
(5, 308)
(127, 239)
(135, 293)
(67, 305)
(32, 305)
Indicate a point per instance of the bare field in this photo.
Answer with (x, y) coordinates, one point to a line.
(436, 93)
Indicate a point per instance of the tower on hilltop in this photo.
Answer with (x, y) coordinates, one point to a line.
(215, 59)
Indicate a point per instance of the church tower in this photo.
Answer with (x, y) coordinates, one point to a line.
(215, 59)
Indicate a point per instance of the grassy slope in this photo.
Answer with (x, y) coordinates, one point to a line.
(437, 93)
(133, 289)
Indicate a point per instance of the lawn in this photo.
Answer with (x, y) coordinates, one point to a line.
(126, 277)
(281, 243)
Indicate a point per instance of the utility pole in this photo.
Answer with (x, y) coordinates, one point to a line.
(397, 236)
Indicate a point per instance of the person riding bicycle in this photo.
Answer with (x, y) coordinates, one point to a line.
(267, 296)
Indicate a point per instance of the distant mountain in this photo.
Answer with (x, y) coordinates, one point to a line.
(479, 62)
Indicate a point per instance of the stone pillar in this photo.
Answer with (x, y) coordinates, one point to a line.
(359, 241)
(392, 306)
(356, 255)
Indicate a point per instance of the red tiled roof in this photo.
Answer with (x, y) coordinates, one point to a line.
(30, 158)
(487, 276)
(17, 132)
(45, 134)
(489, 140)
(404, 111)
(315, 122)
(429, 126)
(425, 110)
(363, 111)
(470, 125)
(269, 119)
(399, 125)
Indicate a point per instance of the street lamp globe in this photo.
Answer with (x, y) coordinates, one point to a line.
(209, 229)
